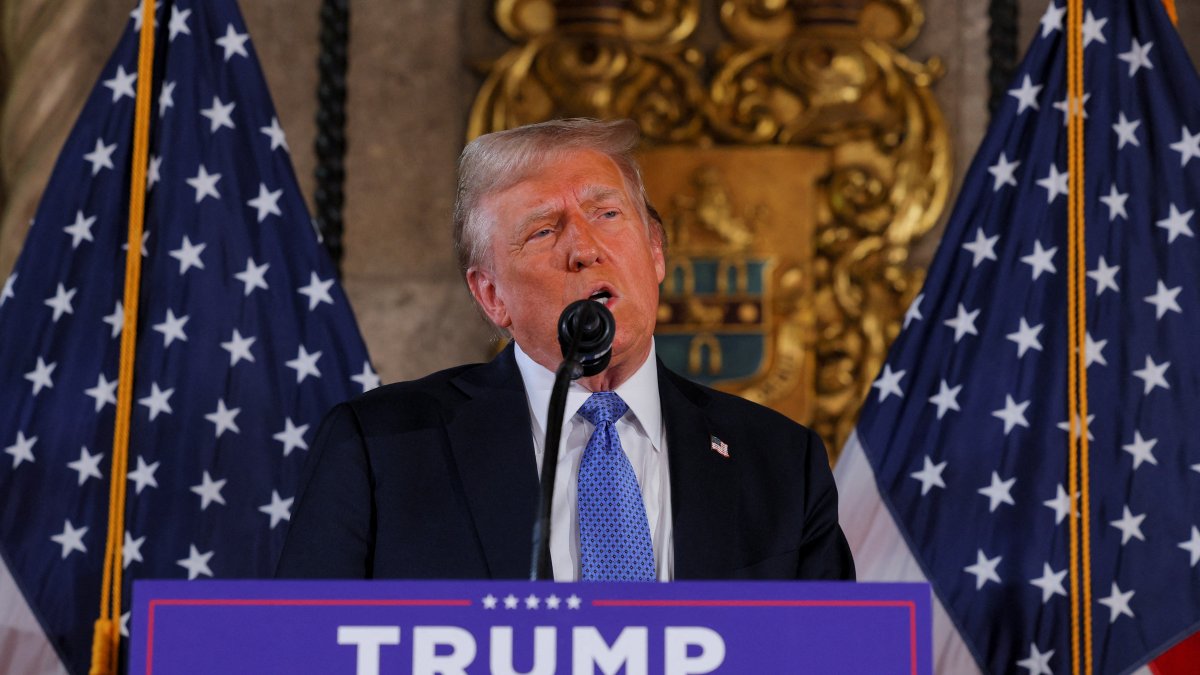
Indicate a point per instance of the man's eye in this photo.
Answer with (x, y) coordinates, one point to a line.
(610, 214)
(544, 232)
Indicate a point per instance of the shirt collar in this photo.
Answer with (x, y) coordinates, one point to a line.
(640, 393)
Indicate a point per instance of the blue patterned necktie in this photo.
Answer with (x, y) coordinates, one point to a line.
(614, 536)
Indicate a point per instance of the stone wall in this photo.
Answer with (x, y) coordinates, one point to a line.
(413, 73)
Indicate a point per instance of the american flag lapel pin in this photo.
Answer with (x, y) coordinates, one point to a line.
(720, 447)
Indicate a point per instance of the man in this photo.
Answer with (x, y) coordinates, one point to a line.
(657, 478)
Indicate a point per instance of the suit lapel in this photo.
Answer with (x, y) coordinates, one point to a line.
(492, 446)
(703, 484)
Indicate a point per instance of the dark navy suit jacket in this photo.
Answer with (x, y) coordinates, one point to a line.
(436, 479)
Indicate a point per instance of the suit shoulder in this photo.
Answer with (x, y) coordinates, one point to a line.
(425, 399)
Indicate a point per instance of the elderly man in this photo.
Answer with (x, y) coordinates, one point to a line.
(657, 477)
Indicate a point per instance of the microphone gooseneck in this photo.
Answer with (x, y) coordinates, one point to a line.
(585, 331)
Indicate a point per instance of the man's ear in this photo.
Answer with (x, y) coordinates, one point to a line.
(656, 251)
(487, 296)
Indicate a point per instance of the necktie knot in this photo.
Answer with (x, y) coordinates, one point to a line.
(603, 406)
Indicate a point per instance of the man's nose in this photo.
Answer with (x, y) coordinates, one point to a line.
(582, 248)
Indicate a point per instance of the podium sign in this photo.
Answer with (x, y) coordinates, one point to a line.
(367, 627)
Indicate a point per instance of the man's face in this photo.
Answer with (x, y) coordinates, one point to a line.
(569, 231)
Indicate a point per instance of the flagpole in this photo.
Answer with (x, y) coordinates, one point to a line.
(107, 636)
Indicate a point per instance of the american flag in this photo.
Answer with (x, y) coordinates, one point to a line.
(245, 337)
(964, 435)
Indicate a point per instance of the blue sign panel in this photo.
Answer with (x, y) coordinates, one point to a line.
(366, 627)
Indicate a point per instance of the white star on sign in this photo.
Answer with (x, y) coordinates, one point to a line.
(1164, 300)
(1177, 224)
(1153, 374)
(1137, 57)
(196, 563)
(1026, 95)
(1188, 146)
(1093, 29)
(116, 319)
(292, 436)
(1061, 504)
(122, 84)
(267, 202)
(1012, 413)
(233, 42)
(1041, 260)
(205, 184)
(81, 229)
(1126, 131)
(101, 156)
(254, 276)
(131, 551)
(367, 378)
(188, 255)
(963, 323)
(179, 23)
(930, 475)
(532, 602)
(1003, 171)
(219, 115)
(71, 539)
(304, 364)
(1026, 337)
(1117, 603)
(914, 311)
(61, 302)
(1192, 545)
(1115, 201)
(999, 492)
(158, 401)
(275, 133)
(510, 601)
(1067, 428)
(489, 601)
(889, 383)
(87, 466)
(984, 569)
(153, 171)
(1129, 525)
(21, 449)
(1037, 663)
(946, 398)
(166, 98)
(1052, 20)
(8, 288)
(209, 491)
(552, 601)
(1050, 582)
(573, 601)
(317, 291)
(143, 475)
(238, 348)
(1055, 184)
(1105, 277)
(1094, 351)
(1142, 449)
(1063, 107)
(983, 248)
(172, 328)
(279, 509)
(224, 418)
(40, 376)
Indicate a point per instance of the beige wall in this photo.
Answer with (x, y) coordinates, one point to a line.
(411, 81)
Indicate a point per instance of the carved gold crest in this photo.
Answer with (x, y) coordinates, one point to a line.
(794, 163)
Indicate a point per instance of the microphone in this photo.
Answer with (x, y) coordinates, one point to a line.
(585, 333)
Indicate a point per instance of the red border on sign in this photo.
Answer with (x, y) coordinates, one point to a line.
(912, 610)
(276, 602)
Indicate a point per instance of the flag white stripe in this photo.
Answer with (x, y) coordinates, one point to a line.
(23, 645)
(881, 554)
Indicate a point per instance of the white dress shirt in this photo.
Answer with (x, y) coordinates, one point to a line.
(644, 438)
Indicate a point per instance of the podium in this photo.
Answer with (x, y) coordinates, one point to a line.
(369, 627)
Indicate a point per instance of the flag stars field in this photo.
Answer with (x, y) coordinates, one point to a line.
(998, 492)
(1094, 351)
(1105, 277)
(101, 156)
(984, 569)
(179, 24)
(1126, 131)
(70, 539)
(205, 184)
(196, 563)
(159, 401)
(254, 276)
(963, 323)
(1129, 525)
(1050, 583)
(21, 450)
(1153, 375)
(1192, 546)
(233, 43)
(983, 248)
(1026, 337)
(219, 115)
(209, 491)
(143, 476)
(131, 551)
(946, 398)
(171, 328)
(1026, 95)
(225, 419)
(292, 436)
(87, 466)
(317, 291)
(305, 364)
(166, 98)
(275, 133)
(1013, 414)
(239, 348)
(930, 475)
(1038, 662)
(1117, 602)
(279, 509)
(1188, 146)
(40, 376)
(1141, 450)
(121, 84)
(1177, 223)
(188, 255)
(1137, 57)
(1060, 504)
(81, 229)
(1115, 201)
(888, 383)
(61, 302)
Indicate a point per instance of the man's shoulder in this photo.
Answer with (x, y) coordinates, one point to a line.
(729, 410)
